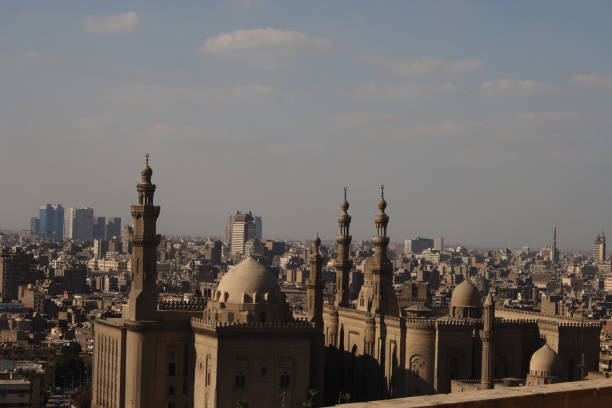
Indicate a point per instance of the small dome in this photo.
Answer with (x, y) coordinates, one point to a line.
(249, 277)
(344, 206)
(544, 362)
(382, 204)
(146, 171)
(465, 295)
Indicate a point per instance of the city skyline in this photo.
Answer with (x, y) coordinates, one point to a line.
(481, 125)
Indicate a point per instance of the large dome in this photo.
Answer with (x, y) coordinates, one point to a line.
(248, 282)
(465, 295)
(544, 362)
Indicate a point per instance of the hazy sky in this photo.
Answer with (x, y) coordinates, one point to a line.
(488, 122)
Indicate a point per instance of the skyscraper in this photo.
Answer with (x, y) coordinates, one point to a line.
(78, 223)
(554, 253)
(438, 243)
(243, 228)
(99, 227)
(126, 239)
(599, 252)
(258, 227)
(113, 228)
(34, 226)
(51, 221)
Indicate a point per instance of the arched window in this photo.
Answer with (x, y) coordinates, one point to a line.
(285, 381)
(262, 317)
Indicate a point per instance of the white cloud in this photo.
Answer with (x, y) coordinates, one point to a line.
(122, 22)
(423, 67)
(266, 47)
(174, 95)
(36, 56)
(512, 87)
(406, 92)
(593, 81)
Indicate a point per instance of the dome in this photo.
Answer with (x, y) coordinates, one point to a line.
(247, 280)
(465, 295)
(544, 362)
(146, 171)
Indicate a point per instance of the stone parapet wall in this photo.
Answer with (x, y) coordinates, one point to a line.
(579, 394)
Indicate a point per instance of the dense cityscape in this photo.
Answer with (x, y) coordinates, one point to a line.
(72, 271)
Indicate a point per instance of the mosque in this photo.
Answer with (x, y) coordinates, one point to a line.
(244, 346)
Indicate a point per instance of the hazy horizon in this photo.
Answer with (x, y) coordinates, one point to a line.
(487, 122)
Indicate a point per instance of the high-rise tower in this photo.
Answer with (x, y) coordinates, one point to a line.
(488, 350)
(143, 294)
(343, 263)
(599, 252)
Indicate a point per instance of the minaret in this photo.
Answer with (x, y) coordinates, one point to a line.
(142, 300)
(315, 285)
(377, 295)
(488, 350)
(555, 253)
(342, 263)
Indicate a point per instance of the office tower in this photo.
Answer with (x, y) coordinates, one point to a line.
(51, 221)
(258, 227)
(100, 247)
(599, 253)
(78, 223)
(126, 239)
(438, 243)
(16, 268)
(99, 227)
(417, 245)
(243, 229)
(34, 226)
(113, 228)
(254, 247)
(227, 233)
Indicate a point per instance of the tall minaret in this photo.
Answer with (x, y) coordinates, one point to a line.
(315, 285)
(555, 253)
(488, 351)
(142, 300)
(342, 263)
(377, 295)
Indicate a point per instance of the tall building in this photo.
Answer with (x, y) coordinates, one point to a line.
(51, 221)
(126, 239)
(243, 229)
(113, 228)
(417, 245)
(99, 227)
(78, 223)
(599, 253)
(17, 267)
(100, 247)
(34, 226)
(258, 227)
(438, 243)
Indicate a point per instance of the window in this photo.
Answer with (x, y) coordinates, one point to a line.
(170, 404)
(284, 380)
(262, 317)
(171, 390)
(239, 381)
(184, 386)
(171, 369)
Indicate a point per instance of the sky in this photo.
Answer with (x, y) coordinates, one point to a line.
(487, 122)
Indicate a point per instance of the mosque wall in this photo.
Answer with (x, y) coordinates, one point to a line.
(109, 366)
(454, 354)
(420, 357)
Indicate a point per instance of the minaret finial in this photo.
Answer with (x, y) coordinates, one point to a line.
(345, 189)
(382, 191)
(147, 159)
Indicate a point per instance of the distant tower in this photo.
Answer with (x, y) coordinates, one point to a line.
(315, 285)
(599, 252)
(554, 253)
(488, 350)
(143, 294)
(342, 263)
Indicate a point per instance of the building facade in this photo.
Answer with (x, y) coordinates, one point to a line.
(51, 221)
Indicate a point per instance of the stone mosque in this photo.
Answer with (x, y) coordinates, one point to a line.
(244, 345)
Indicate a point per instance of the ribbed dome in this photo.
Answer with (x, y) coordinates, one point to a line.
(251, 279)
(465, 295)
(544, 362)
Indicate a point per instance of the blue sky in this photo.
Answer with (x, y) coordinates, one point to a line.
(487, 121)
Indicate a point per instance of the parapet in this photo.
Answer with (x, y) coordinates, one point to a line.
(301, 324)
(194, 305)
